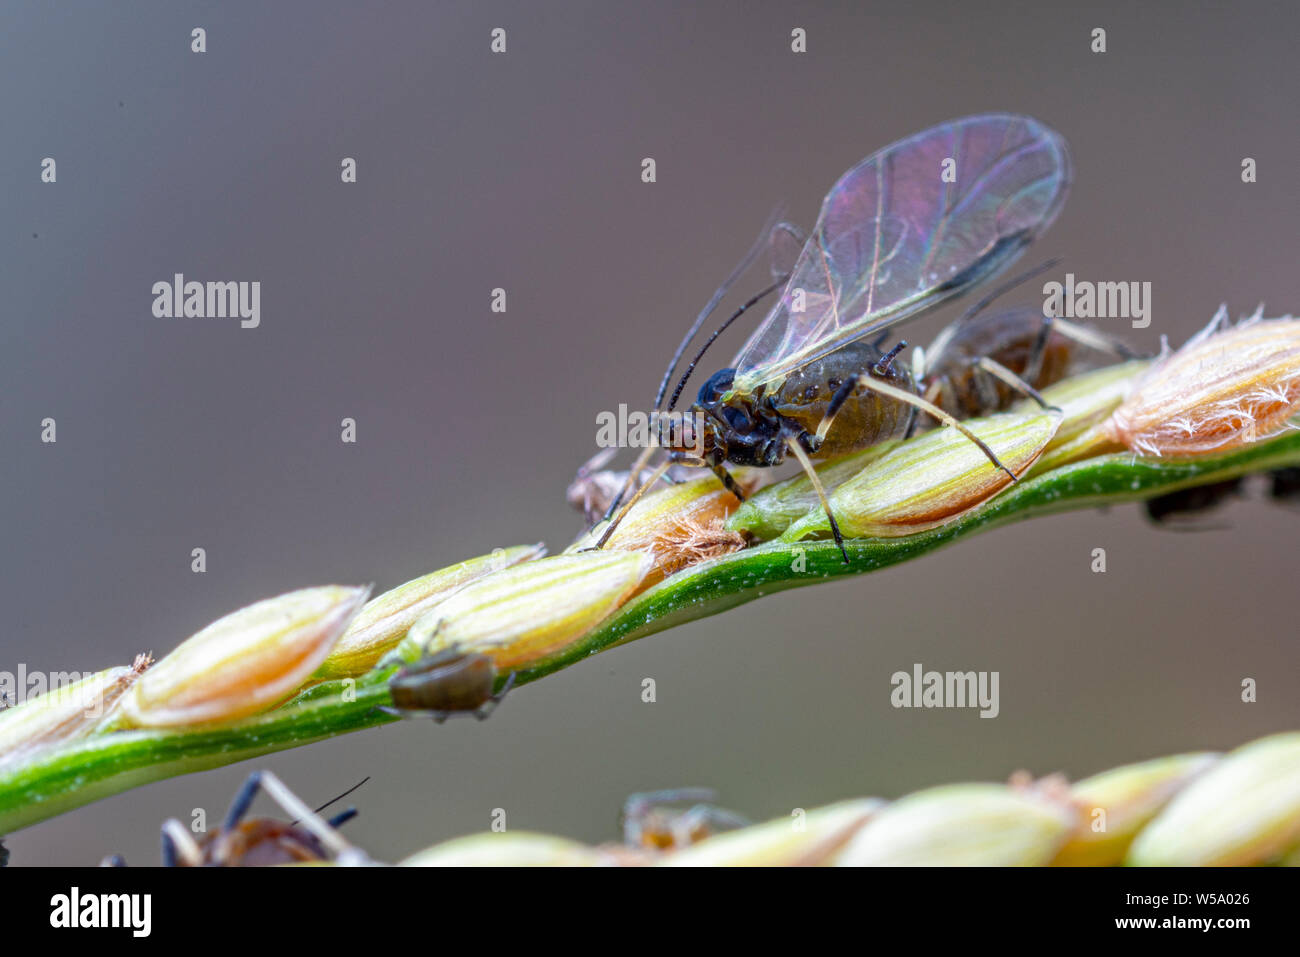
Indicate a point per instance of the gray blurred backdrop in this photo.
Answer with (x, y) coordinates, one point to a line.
(523, 171)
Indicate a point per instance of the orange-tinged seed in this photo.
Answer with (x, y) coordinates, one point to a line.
(246, 662)
(931, 479)
(1227, 387)
(533, 611)
(385, 619)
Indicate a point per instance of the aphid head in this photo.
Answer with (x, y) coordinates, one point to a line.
(717, 388)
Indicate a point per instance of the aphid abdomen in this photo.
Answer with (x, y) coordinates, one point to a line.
(1009, 339)
(261, 842)
(865, 419)
(444, 684)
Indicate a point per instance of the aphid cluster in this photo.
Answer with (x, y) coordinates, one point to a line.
(1181, 510)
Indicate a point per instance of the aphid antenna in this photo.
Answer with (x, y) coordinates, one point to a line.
(676, 394)
(276, 789)
(741, 268)
(753, 301)
(1007, 286)
(351, 812)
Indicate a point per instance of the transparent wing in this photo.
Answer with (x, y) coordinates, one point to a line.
(895, 236)
(784, 245)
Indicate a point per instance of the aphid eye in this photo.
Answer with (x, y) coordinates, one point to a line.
(716, 385)
(833, 383)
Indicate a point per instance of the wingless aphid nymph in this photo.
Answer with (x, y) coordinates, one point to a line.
(448, 683)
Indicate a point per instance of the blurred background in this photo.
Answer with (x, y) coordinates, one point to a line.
(522, 171)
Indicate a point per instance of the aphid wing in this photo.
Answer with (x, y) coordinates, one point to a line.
(785, 244)
(895, 236)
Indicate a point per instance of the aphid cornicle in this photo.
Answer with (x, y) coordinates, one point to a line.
(910, 227)
(443, 685)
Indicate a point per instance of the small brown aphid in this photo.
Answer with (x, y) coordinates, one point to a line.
(955, 380)
(449, 683)
(1180, 510)
(652, 823)
(985, 363)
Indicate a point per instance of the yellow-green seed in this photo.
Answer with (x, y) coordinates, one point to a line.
(1117, 804)
(245, 663)
(963, 825)
(804, 838)
(771, 511)
(511, 849)
(1245, 810)
(385, 619)
(931, 479)
(531, 612)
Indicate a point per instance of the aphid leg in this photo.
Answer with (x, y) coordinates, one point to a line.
(911, 398)
(331, 839)
(1039, 349)
(1096, 340)
(338, 820)
(486, 709)
(627, 507)
(179, 849)
(638, 807)
(632, 477)
(933, 394)
(806, 462)
(243, 801)
(492, 703)
(999, 371)
(729, 481)
(705, 819)
(986, 387)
